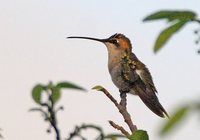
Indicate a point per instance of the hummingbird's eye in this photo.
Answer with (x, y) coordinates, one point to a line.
(115, 42)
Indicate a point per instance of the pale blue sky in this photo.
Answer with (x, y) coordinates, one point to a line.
(33, 49)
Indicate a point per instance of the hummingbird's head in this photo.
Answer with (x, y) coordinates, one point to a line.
(116, 42)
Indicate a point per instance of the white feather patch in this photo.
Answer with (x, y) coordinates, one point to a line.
(139, 72)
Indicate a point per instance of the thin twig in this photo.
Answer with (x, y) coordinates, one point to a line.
(78, 129)
(122, 109)
(125, 114)
(196, 20)
(120, 128)
(52, 119)
(123, 101)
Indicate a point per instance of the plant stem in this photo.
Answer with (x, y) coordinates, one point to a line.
(123, 110)
(196, 20)
(53, 120)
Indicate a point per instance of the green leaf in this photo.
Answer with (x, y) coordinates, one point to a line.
(165, 35)
(98, 88)
(179, 115)
(55, 94)
(139, 135)
(36, 93)
(69, 85)
(171, 15)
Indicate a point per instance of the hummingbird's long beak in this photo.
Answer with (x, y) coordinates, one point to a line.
(90, 38)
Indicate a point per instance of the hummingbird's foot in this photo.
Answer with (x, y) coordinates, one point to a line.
(123, 92)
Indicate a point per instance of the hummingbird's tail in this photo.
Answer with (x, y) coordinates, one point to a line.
(150, 99)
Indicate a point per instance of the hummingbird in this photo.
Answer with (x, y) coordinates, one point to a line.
(128, 73)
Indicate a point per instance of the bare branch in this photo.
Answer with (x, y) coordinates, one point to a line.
(122, 109)
(120, 128)
(53, 119)
(125, 114)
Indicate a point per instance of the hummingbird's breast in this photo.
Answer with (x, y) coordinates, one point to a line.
(117, 78)
(116, 70)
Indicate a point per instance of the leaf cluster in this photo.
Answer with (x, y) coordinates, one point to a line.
(47, 107)
(54, 90)
(176, 19)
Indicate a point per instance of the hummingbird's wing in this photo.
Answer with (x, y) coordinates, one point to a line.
(143, 86)
(142, 71)
(128, 68)
(150, 99)
(146, 77)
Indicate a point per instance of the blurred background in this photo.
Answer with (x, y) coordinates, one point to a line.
(34, 49)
